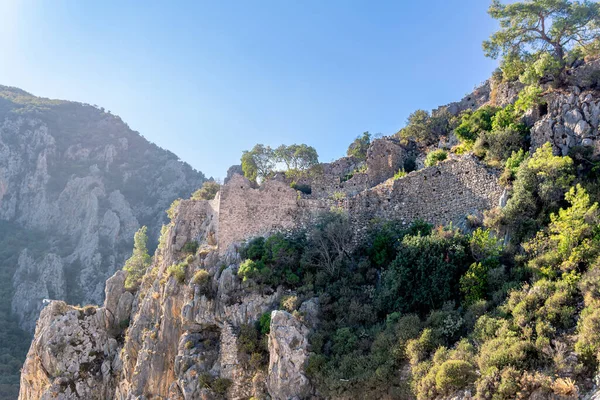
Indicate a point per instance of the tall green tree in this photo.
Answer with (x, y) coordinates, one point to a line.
(139, 261)
(551, 26)
(297, 157)
(258, 162)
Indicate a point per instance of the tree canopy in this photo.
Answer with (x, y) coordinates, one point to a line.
(258, 162)
(261, 161)
(552, 26)
(297, 156)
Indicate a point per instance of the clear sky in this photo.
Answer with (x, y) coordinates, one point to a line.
(208, 79)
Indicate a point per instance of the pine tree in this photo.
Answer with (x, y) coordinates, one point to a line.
(139, 261)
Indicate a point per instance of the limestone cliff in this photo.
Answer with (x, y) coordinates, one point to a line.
(75, 184)
(182, 337)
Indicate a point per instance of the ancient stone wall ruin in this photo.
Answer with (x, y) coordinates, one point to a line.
(439, 195)
(442, 194)
(246, 211)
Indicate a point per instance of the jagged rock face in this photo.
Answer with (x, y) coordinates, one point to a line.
(85, 181)
(70, 356)
(178, 332)
(570, 119)
(288, 345)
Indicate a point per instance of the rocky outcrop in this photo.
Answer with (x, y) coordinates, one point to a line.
(288, 349)
(183, 335)
(71, 357)
(570, 118)
(79, 177)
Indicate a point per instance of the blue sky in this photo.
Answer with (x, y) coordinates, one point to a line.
(208, 79)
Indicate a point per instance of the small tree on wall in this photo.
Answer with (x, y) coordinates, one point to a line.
(358, 148)
(261, 161)
(258, 162)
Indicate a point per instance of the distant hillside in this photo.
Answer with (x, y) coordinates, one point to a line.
(75, 184)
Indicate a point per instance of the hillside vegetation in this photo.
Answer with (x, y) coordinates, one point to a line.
(507, 309)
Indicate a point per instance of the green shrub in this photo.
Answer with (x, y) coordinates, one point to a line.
(473, 123)
(512, 166)
(539, 188)
(338, 196)
(588, 337)
(434, 157)
(400, 174)
(497, 146)
(178, 271)
(473, 284)
(221, 385)
(252, 345)
(572, 238)
(358, 148)
(529, 97)
(172, 211)
(201, 277)
(506, 351)
(208, 191)
(272, 261)
(454, 375)
(419, 349)
(252, 269)
(264, 323)
(190, 247)
(425, 273)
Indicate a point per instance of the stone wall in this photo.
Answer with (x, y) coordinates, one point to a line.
(439, 195)
(384, 158)
(246, 211)
(350, 176)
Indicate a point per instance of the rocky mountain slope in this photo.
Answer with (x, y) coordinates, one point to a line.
(75, 184)
(212, 319)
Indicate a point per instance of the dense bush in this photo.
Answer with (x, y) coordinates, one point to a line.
(190, 247)
(252, 346)
(539, 187)
(425, 273)
(434, 157)
(474, 122)
(178, 271)
(425, 129)
(208, 191)
(358, 148)
(201, 278)
(272, 261)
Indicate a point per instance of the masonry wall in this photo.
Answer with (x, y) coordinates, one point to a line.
(246, 211)
(439, 195)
